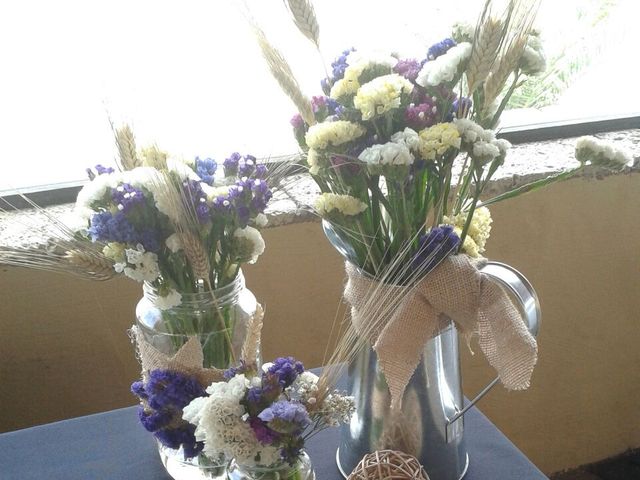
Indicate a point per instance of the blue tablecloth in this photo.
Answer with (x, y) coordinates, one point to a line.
(114, 446)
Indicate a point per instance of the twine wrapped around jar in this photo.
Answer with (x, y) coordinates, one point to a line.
(388, 465)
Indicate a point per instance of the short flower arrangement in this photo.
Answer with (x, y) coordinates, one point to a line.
(261, 419)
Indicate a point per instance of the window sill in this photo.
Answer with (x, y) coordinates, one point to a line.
(526, 162)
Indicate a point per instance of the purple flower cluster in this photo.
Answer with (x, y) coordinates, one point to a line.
(285, 370)
(163, 397)
(459, 108)
(408, 68)
(249, 196)
(338, 66)
(440, 48)
(286, 416)
(422, 115)
(103, 170)
(239, 165)
(125, 197)
(110, 227)
(433, 247)
(206, 169)
(196, 196)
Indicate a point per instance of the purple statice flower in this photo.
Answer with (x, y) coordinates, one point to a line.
(231, 372)
(109, 227)
(286, 416)
(261, 194)
(150, 240)
(126, 197)
(297, 122)
(408, 68)
(423, 115)
(230, 164)
(338, 66)
(286, 370)
(206, 169)
(459, 108)
(434, 246)
(163, 396)
(263, 433)
(440, 48)
(193, 191)
(261, 171)
(246, 166)
(102, 170)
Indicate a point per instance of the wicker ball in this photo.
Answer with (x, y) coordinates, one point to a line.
(388, 465)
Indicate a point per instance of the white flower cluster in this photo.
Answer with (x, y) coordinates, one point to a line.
(463, 32)
(445, 67)
(480, 143)
(92, 192)
(219, 421)
(344, 204)
(305, 388)
(250, 242)
(140, 266)
(590, 150)
(395, 152)
(533, 60)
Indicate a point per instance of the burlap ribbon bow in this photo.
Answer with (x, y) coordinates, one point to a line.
(408, 318)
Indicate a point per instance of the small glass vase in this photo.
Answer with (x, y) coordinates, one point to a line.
(301, 470)
(221, 322)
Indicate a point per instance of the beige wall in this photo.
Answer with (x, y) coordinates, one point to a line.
(64, 352)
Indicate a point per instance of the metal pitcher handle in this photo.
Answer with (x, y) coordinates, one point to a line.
(522, 291)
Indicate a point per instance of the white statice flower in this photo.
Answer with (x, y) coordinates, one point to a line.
(251, 243)
(261, 220)
(407, 137)
(590, 150)
(140, 266)
(93, 191)
(463, 32)
(445, 67)
(141, 177)
(389, 153)
(328, 203)
(533, 60)
(173, 243)
(381, 95)
(332, 134)
(182, 169)
(219, 422)
(469, 130)
(484, 152)
(172, 299)
(216, 191)
(115, 251)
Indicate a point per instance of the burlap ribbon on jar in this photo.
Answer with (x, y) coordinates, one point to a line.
(398, 321)
(189, 358)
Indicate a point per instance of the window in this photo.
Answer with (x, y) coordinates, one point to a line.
(189, 77)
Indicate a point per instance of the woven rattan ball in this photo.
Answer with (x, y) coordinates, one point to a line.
(388, 465)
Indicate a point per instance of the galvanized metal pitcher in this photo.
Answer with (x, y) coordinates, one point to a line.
(430, 424)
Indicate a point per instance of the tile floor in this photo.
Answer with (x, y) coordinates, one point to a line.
(624, 467)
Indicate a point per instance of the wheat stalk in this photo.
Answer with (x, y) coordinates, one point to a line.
(485, 51)
(505, 67)
(196, 254)
(283, 74)
(304, 16)
(88, 261)
(126, 143)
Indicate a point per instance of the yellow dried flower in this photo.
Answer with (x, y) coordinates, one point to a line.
(478, 233)
(436, 140)
(325, 134)
(381, 95)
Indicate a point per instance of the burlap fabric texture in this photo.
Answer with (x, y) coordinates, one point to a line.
(398, 321)
(189, 358)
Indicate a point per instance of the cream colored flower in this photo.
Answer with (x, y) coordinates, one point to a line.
(590, 150)
(436, 140)
(323, 135)
(445, 67)
(344, 204)
(478, 232)
(381, 95)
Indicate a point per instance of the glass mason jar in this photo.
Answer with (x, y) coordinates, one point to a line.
(301, 470)
(220, 320)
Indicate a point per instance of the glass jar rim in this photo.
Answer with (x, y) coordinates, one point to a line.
(219, 296)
